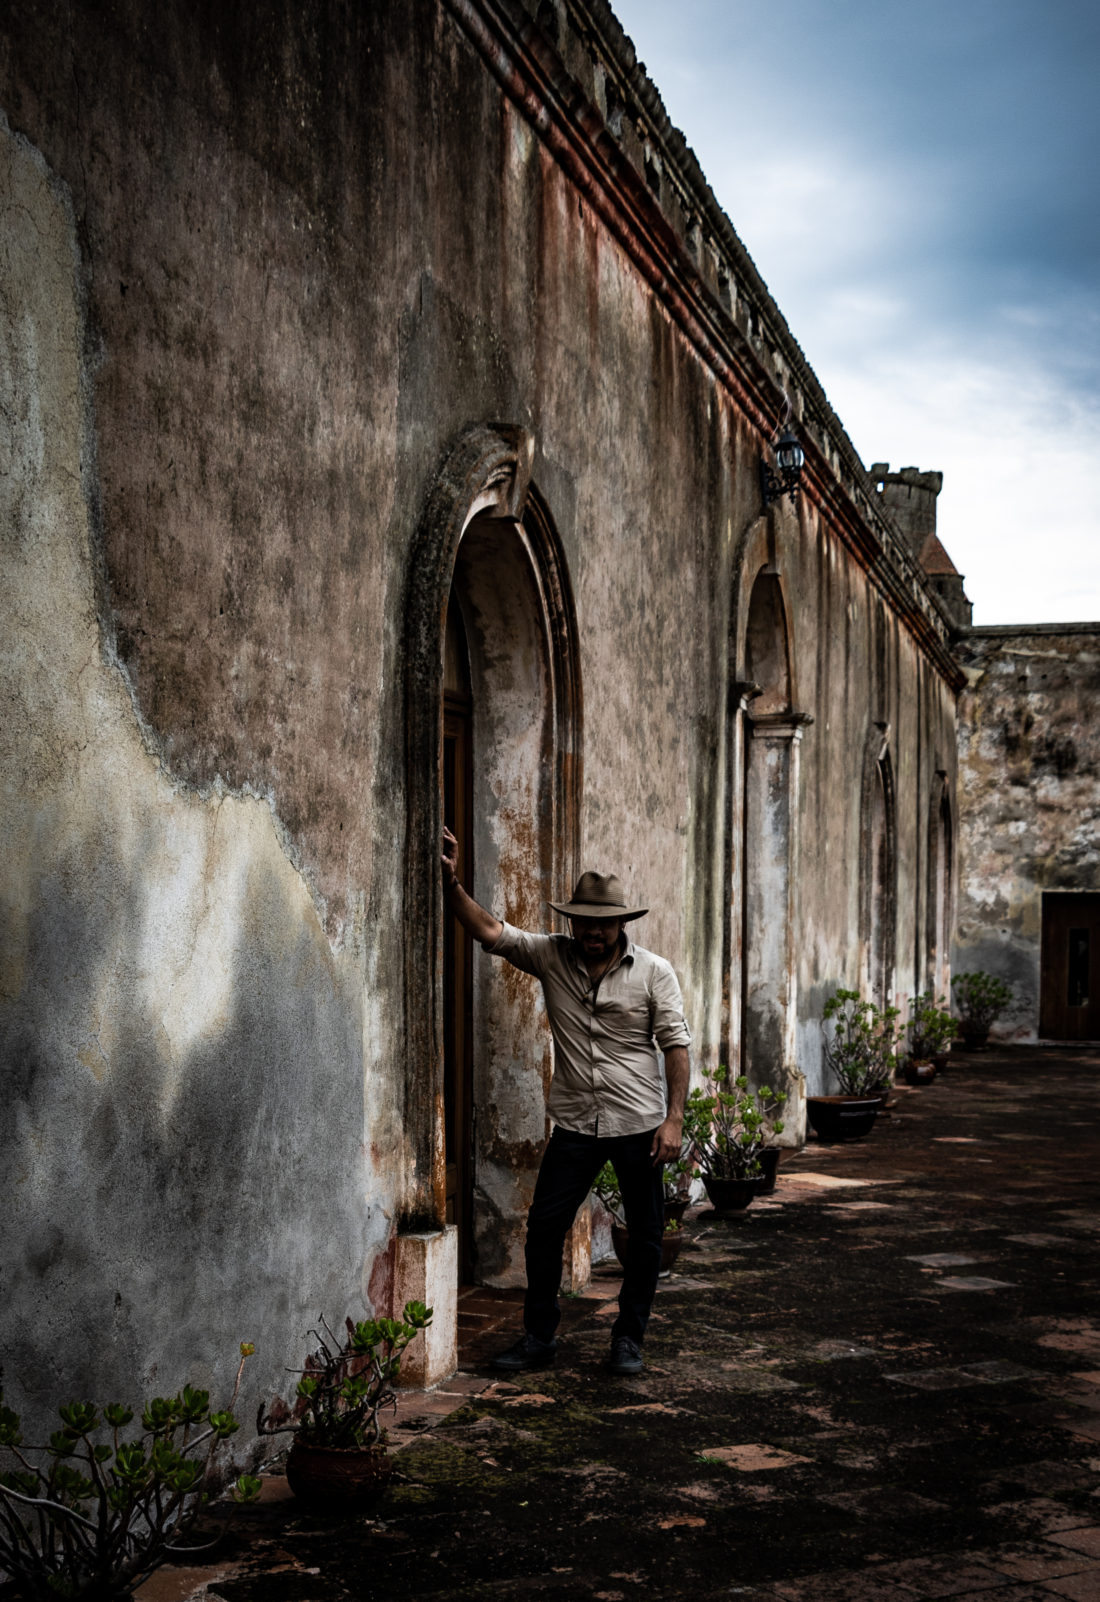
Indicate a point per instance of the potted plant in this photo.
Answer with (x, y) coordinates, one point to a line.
(728, 1128)
(94, 1512)
(677, 1176)
(980, 998)
(931, 1028)
(929, 1033)
(861, 1052)
(606, 1189)
(339, 1455)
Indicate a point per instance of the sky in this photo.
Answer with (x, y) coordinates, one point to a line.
(918, 187)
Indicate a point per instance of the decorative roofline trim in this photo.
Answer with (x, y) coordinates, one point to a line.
(992, 631)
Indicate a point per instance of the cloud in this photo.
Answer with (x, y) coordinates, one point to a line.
(1021, 475)
(916, 186)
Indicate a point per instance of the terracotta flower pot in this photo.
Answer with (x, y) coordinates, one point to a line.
(670, 1246)
(343, 1477)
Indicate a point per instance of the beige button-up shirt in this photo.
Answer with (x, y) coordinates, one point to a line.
(607, 1073)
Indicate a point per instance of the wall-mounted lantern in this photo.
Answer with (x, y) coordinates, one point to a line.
(789, 458)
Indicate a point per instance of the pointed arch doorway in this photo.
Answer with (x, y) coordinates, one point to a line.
(508, 772)
(458, 994)
(771, 733)
(878, 875)
(493, 726)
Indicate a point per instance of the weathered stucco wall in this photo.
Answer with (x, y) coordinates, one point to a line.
(258, 297)
(169, 1003)
(1029, 796)
(865, 682)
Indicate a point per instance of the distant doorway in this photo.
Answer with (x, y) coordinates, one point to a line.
(771, 733)
(939, 888)
(881, 875)
(458, 1078)
(1069, 990)
(878, 870)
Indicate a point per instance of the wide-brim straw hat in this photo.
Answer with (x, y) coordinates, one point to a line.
(599, 895)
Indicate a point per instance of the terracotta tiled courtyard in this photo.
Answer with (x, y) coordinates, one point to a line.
(882, 1384)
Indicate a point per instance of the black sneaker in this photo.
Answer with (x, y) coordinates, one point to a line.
(626, 1356)
(528, 1352)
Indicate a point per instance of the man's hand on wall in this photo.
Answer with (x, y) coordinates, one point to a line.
(449, 857)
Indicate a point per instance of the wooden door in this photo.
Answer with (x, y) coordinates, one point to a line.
(1069, 1006)
(458, 1101)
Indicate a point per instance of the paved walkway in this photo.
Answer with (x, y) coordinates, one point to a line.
(882, 1385)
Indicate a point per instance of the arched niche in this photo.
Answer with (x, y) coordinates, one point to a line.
(767, 739)
(940, 875)
(767, 646)
(878, 867)
(487, 537)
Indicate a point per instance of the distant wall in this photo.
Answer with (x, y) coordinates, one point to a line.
(1029, 796)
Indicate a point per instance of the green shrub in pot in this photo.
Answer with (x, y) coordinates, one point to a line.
(91, 1514)
(980, 998)
(727, 1125)
(861, 1045)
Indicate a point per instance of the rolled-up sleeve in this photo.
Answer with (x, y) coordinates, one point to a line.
(670, 1027)
(523, 950)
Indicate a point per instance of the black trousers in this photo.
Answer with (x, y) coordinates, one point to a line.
(569, 1166)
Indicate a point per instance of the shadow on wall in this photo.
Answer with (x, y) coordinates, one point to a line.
(170, 1203)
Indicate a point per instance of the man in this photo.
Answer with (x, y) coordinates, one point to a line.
(612, 1006)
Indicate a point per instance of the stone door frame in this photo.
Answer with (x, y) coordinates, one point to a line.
(486, 473)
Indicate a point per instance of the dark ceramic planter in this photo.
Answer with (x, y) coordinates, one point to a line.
(670, 1246)
(674, 1211)
(842, 1117)
(919, 1073)
(730, 1195)
(769, 1162)
(973, 1039)
(941, 1060)
(340, 1477)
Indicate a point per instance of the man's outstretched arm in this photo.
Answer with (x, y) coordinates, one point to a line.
(473, 918)
(669, 1137)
